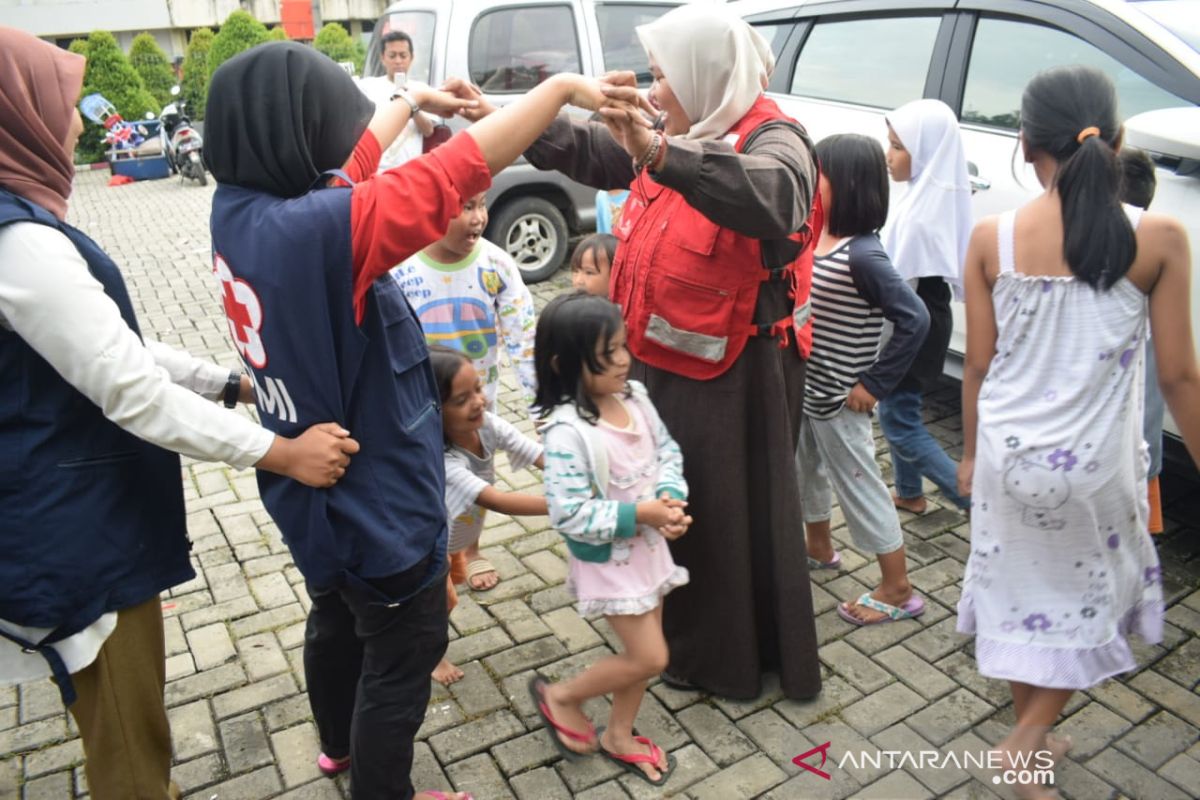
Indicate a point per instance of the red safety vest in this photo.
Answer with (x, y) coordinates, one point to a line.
(688, 287)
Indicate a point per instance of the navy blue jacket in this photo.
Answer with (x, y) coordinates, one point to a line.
(286, 273)
(91, 517)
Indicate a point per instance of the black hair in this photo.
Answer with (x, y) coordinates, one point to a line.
(594, 244)
(446, 363)
(856, 169)
(1058, 108)
(565, 343)
(397, 36)
(1137, 177)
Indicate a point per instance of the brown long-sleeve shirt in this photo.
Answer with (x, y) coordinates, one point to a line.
(765, 192)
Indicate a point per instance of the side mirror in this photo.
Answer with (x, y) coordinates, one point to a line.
(1171, 135)
(175, 90)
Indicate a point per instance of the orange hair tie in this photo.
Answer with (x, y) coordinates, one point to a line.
(1087, 133)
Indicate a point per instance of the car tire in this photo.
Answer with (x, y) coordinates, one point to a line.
(534, 232)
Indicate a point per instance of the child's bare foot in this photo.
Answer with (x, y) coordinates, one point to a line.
(615, 747)
(446, 673)
(1029, 763)
(915, 505)
(433, 795)
(1058, 746)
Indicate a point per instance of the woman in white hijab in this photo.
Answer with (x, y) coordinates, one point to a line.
(712, 275)
(927, 240)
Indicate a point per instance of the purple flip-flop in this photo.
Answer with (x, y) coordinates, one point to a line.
(910, 609)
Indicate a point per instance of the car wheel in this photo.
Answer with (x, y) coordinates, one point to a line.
(534, 232)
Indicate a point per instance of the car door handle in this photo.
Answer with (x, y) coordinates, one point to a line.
(978, 184)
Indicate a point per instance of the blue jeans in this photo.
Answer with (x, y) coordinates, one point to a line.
(1152, 429)
(914, 451)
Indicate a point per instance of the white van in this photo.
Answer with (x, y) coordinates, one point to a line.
(507, 48)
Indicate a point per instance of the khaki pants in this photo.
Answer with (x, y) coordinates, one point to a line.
(121, 714)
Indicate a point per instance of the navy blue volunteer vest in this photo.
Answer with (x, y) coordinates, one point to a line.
(91, 517)
(285, 271)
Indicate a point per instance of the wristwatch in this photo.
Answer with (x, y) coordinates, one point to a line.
(413, 105)
(233, 389)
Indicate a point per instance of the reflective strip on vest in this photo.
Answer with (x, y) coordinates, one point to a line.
(802, 314)
(697, 345)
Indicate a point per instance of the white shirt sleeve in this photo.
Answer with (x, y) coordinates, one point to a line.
(522, 451)
(463, 486)
(50, 299)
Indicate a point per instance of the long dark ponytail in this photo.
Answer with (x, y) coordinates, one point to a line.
(1070, 113)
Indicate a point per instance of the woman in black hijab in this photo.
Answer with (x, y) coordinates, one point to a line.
(299, 265)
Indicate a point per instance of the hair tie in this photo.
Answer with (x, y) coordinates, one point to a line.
(1087, 133)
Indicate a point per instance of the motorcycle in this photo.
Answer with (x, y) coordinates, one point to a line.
(181, 142)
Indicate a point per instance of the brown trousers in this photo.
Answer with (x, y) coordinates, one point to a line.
(121, 714)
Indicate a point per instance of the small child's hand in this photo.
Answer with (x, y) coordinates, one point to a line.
(656, 513)
(860, 400)
(674, 531)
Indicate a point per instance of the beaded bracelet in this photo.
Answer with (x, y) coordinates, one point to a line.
(651, 153)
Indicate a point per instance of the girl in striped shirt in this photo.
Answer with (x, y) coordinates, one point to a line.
(855, 288)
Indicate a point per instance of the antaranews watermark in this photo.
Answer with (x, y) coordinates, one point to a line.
(1011, 769)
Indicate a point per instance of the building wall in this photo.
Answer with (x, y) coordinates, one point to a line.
(169, 20)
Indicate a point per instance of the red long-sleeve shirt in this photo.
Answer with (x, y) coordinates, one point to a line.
(394, 214)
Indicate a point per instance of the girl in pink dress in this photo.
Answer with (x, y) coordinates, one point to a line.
(616, 492)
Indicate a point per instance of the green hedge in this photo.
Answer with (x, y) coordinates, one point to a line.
(194, 85)
(334, 41)
(151, 63)
(240, 32)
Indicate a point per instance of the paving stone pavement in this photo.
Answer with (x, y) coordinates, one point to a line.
(241, 723)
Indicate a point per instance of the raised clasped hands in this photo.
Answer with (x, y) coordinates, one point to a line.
(627, 113)
(447, 101)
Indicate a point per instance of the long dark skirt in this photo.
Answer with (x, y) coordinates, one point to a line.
(748, 608)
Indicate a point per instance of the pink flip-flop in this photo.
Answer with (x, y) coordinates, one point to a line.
(537, 691)
(911, 608)
(332, 766)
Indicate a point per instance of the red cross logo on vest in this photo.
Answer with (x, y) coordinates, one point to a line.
(243, 312)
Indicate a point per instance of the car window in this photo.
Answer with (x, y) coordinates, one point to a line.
(1007, 53)
(619, 41)
(879, 62)
(419, 26)
(775, 34)
(515, 49)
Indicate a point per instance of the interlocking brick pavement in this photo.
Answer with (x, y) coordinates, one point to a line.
(241, 722)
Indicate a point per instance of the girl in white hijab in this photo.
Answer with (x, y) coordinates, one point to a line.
(927, 240)
(929, 230)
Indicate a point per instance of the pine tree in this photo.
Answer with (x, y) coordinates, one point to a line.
(151, 63)
(194, 86)
(79, 47)
(240, 32)
(110, 73)
(334, 41)
(277, 34)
